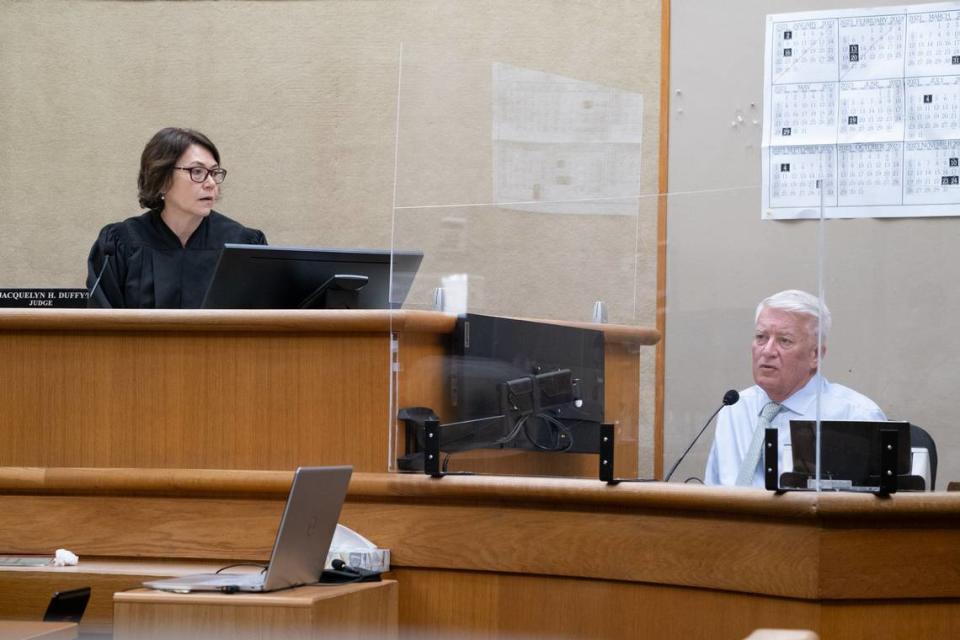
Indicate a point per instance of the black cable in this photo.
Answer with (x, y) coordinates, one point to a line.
(263, 566)
(329, 581)
(562, 429)
(341, 573)
(510, 437)
(559, 429)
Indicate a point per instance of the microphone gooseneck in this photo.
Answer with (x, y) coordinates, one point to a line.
(106, 261)
(729, 398)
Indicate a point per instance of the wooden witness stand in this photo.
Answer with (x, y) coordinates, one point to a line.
(132, 438)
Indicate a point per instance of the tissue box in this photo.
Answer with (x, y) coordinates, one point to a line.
(370, 559)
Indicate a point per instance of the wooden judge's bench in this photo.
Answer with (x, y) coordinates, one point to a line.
(159, 443)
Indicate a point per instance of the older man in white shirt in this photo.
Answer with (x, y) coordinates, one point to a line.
(785, 368)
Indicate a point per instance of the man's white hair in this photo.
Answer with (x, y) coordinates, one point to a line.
(796, 301)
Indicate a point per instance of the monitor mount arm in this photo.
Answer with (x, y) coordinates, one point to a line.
(339, 292)
(521, 399)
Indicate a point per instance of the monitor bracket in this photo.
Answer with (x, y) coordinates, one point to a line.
(339, 292)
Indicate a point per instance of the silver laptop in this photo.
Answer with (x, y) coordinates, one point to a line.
(303, 539)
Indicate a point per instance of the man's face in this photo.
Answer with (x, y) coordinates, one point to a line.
(784, 352)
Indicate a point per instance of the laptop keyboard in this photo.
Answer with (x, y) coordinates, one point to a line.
(25, 561)
(239, 579)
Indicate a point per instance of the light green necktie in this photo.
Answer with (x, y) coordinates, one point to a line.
(748, 468)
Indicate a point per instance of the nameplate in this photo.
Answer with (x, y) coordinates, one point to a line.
(44, 298)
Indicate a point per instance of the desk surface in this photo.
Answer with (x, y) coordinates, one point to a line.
(24, 630)
(363, 610)
(298, 597)
(233, 320)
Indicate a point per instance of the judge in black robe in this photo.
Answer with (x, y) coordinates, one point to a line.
(141, 263)
(165, 258)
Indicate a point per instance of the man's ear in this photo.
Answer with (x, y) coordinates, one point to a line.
(823, 353)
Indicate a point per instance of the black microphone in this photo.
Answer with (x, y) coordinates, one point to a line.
(729, 398)
(106, 261)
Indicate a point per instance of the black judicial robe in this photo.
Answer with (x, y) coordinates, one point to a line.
(140, 262)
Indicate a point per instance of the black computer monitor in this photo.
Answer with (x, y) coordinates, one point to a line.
(849, 449)
(266, 277)
(67, 606)
(515, 384)
(545, 380)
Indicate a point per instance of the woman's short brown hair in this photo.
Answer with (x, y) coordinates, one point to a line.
(160, 156)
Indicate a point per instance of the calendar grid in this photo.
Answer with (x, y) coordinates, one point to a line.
(903, 69)
(867, 103)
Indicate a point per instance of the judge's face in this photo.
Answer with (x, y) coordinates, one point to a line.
(784, 352)
(184, 197)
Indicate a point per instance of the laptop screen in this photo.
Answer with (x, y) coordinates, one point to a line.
(307, 526)
(302, 542)
(850, 450)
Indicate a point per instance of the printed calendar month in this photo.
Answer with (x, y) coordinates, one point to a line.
(862, 113)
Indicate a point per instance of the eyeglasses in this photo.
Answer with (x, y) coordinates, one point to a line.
(199, 174)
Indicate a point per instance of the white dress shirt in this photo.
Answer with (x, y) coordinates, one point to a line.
(736, 423)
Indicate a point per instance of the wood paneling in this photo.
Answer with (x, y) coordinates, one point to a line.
(921, 558)
(25, 591)
(490, 556)
(663, 188)
(10, 630)
(237, 389)
(667, 534)
(344, 611)
(199, 389)
(443, 604)
(219, 321)
(890, 619)
(194, 400)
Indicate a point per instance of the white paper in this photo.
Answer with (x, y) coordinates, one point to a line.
(562, 145)
(866, 103)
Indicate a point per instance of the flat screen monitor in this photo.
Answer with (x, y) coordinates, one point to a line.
(265, 277)
(849, 449)
(546, 380)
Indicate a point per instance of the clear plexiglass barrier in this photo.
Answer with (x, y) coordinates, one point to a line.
(853, 366)
(522, 192)
(791, 241)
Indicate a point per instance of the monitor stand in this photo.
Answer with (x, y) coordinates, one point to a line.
(339, 292)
